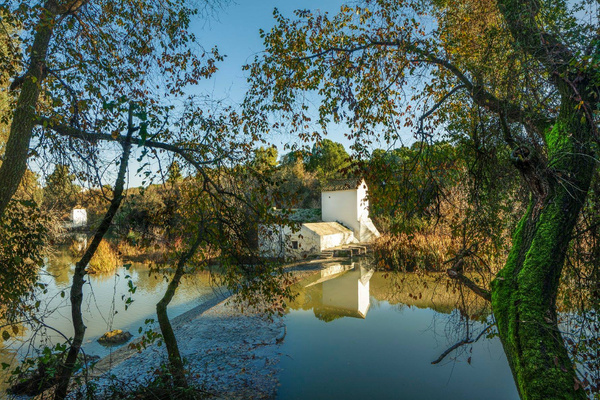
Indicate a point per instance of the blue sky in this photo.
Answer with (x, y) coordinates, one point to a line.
(234, 28)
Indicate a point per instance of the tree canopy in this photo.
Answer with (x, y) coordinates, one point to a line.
(517, 78)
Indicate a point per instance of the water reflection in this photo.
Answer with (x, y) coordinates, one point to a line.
(105, 304)
(341, 291)
(390, 327)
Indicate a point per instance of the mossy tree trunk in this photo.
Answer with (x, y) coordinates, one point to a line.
(524, 292)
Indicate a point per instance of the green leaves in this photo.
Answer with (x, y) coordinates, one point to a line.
(24, 232)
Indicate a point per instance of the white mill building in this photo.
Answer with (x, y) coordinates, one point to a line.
(344, 220)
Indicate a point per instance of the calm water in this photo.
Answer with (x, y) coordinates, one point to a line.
(104, 305)
(351, 333)
(355, 335)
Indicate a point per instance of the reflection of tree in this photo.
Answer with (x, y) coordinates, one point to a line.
(434, 291)
(307, 297)
(154, 279)
(59, 265)
(327, 315)
(8, 357)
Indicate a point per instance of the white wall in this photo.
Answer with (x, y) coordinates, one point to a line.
(272, 240)
(340, 206)
(79, 217)
(337, 239)
(362, 204)
(278, 242)
(308, 243)
(351, 209)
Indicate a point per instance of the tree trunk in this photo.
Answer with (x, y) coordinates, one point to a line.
(175, 361)
(524, 292)
(76, 294)
(24, 118)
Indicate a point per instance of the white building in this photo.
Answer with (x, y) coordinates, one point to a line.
(345, 201)
(345, 220)
(79, 217)
(311, 238)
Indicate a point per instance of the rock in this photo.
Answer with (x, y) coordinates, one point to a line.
(114, 337)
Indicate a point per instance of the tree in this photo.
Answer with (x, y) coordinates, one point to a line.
(265, 159)
(295, 187)
(406, 184)
(99, 77)
(84, 57)
(174, 173)
(60, 190)
(76, 292)
(328, 159)
(529, 67)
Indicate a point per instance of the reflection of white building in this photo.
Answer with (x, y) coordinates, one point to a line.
(345, 220)
(345, 292)
(348, 293)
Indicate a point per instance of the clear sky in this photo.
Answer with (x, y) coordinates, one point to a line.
(234, 28)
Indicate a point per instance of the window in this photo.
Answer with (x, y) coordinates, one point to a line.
(294, 244)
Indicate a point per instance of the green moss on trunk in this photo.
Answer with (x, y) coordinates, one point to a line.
(524, 292)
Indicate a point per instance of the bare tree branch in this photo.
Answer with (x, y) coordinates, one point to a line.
(73, 132)
(461, 343)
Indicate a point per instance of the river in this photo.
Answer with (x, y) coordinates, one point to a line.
(352, 333)
(104, 306)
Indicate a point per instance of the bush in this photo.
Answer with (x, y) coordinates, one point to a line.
(105, 259)
(419, 251)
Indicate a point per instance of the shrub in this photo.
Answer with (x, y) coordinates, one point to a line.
(105, 259)
(419, 251)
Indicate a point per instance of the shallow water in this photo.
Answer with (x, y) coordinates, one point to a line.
(104, 305)
(351, 335)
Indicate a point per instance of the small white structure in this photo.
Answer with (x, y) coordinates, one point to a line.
(79, 217)
(345, 201)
